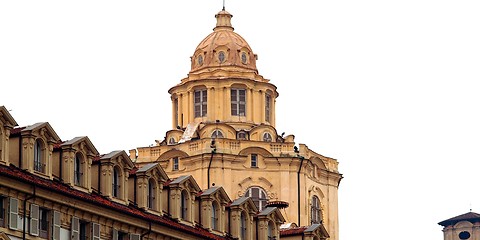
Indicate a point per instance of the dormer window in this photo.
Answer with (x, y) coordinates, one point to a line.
(243, 226)
(78, 173)
(172, 141)
(184, 205)
(39, 160)
(271, 231)
(151, 194)
(238, 100)
(200, 60)
(116, 182)
(267, 137)
(217, 133)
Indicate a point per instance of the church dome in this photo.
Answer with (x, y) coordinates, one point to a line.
(223, 48)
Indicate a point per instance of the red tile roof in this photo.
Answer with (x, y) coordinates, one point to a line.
(292, 231)
(18, 174)
(16, 131)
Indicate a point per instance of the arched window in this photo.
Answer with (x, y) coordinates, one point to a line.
(215, 214)
(315, 212)
(184, 205)
(151, 194)
(217, 133)
(39, 161)
(243, 226)
(271, 231)
(200, 103)
(172, 141)
(116, 182)
(259, 197)
(77, 171)
(267, 137)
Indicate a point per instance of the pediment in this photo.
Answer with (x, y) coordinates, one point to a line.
(6, 119)
(317, 230)
(245, 203)
(118, 157)
(41, 129)
(217, 193)
(82, 144)
(185, 182)
(272, 213)
(154, 170)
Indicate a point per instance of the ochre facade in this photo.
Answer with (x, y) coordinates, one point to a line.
(223, 134)
(222, 172)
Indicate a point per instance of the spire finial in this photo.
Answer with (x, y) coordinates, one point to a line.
(223, 9)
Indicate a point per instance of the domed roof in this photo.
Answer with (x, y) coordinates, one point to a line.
(223, 47)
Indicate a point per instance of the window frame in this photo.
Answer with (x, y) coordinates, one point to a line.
(254, 160)
(236, 104)
(3, 210)
(116, 182)
(202, 103)
(39, 164)
(217, 133)
(78, 169)
(268, 100)
(175, 164)
(315, 210)
(259, 201)
(265, 138)
(151, 196)
(184, 197)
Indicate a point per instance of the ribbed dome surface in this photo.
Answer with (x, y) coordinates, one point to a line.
(223, 47)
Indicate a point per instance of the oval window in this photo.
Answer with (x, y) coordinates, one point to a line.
(221, 57)
(200, 60)
(244, 58)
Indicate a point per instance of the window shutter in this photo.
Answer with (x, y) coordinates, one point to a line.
(96, 231)
(56, 225)
(75, 228)
(134, 236)
(115, 234)
(34, 216)
(13, 213)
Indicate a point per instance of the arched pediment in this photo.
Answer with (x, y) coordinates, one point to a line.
(172, 153)
(208, 128)
(258, 150)
(317, 161)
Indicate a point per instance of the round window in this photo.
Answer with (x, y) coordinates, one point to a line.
(244, 58)
(200, 59)
(221, 57)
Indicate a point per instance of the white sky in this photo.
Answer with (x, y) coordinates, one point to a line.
(389, 88)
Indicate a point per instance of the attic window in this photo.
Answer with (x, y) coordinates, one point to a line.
(217, 134)
(267, 137)
(242, 135)
(171, 141)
